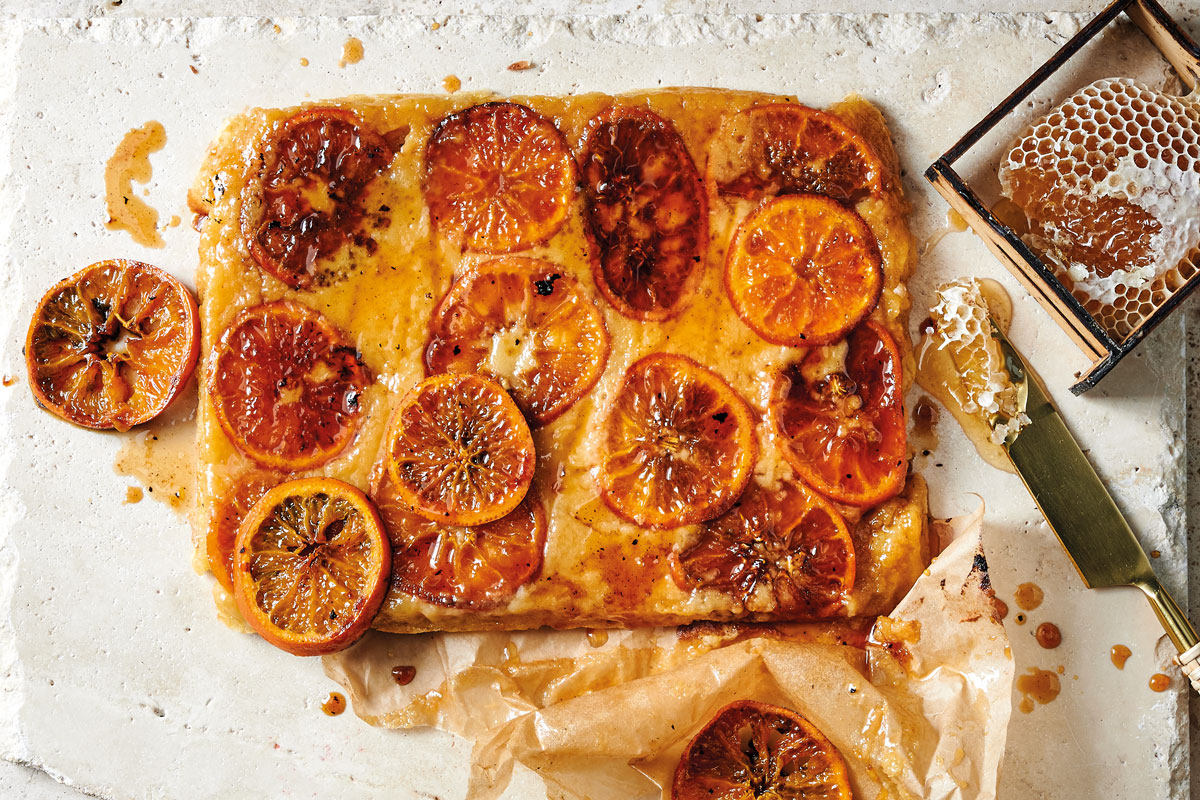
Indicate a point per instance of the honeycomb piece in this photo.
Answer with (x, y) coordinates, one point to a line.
(984, 388)
(1110, 184)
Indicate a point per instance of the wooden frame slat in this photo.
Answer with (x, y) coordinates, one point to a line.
(1039, 279)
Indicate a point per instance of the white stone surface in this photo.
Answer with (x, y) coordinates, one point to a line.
(115, 676)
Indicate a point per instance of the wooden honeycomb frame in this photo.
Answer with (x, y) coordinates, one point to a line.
(1101, 346)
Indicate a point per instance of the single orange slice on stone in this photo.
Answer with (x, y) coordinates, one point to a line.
(803, 270)
(528, 326)
(229, 509)
(783, 551)
(751, 750)
(307, 202)
(460, 451)
(499, 178)
(646, 210)
(311, 565)
(475, 566)
(113, 345)
(678, 445)
(787, 148)
(285, 386)
(839, 414)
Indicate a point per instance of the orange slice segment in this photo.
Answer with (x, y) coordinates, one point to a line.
(751, 750)
(527, 325)
(646, 210)
(803, 270)
(460, 452)
(678, 445)
(784, 551)
(840, 416)
(316, 169)
(787, 148)
(113, 345)
(499, 178)
(478, 567)
(285, 386)
(229, 509)
(310, 566)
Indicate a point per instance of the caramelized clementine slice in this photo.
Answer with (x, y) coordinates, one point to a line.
(461, 453)
(499, 177)
(316, 168)
(525, 324)
(803, 270)
(750, 750)
(229, 509)
(477, 566)
(678, 445)
(840, 415)
(112, 345)
(784, 552)
(786, 148)
(285, 386)
(646, 210)
(310, 566)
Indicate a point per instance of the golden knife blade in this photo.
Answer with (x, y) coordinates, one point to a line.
(1079, 509)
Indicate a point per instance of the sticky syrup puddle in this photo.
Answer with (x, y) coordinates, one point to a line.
(162, 455)
(131, 162)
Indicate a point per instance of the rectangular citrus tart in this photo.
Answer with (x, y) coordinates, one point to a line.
(596, 360)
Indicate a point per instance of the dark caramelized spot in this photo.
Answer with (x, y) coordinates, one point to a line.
(645, 209)
(315, 173)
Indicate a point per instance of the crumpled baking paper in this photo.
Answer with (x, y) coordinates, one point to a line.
(918, 705)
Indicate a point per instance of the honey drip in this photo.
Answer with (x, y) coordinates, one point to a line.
(403, 674)
(924, 427)
(1048, 635)
(131, 162)
(334, 704)
(954, 224)
(1159, 682)
(1038, 685)
(597, 638)
(1119, 655)
(352, 52)
(451, 84)
(1029, 596)
(940, 373)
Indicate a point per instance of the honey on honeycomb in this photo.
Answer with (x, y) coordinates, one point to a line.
(1110, 184)
(983, 388)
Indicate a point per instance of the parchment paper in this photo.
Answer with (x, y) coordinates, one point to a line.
(919, 708)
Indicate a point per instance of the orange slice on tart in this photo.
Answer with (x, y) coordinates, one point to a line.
(113, 345)
(525, 324)
(803, 270)
(783, 551)
(473, 566)
(839, 414)
(499, 178)
(678, 445)
(460, 452)
(750, 749)
(787, 148)
(285, 386)
(646, 212)
(315, 172)
(310, 566)
(229, 509)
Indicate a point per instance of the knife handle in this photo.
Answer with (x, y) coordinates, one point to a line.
(1176, 624)
(1189, 662)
